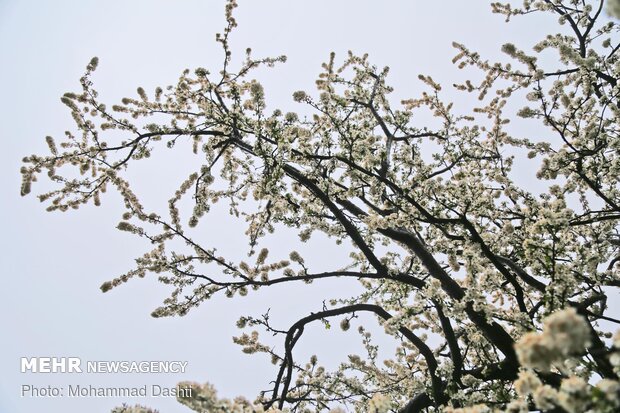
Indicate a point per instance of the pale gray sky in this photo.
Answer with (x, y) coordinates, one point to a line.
(53, 264)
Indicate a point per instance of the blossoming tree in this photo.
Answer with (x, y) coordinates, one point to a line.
(494, 293)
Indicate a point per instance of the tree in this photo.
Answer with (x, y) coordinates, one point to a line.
(495, 293)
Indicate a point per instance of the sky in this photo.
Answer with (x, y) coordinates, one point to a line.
(53, 263)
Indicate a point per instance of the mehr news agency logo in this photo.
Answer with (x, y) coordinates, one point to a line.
(76, 365)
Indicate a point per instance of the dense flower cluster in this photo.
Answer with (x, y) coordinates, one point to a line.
(564, 334)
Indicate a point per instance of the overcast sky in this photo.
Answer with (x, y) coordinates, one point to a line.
(53, 263)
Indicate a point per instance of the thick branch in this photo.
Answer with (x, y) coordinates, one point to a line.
(296, 330)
